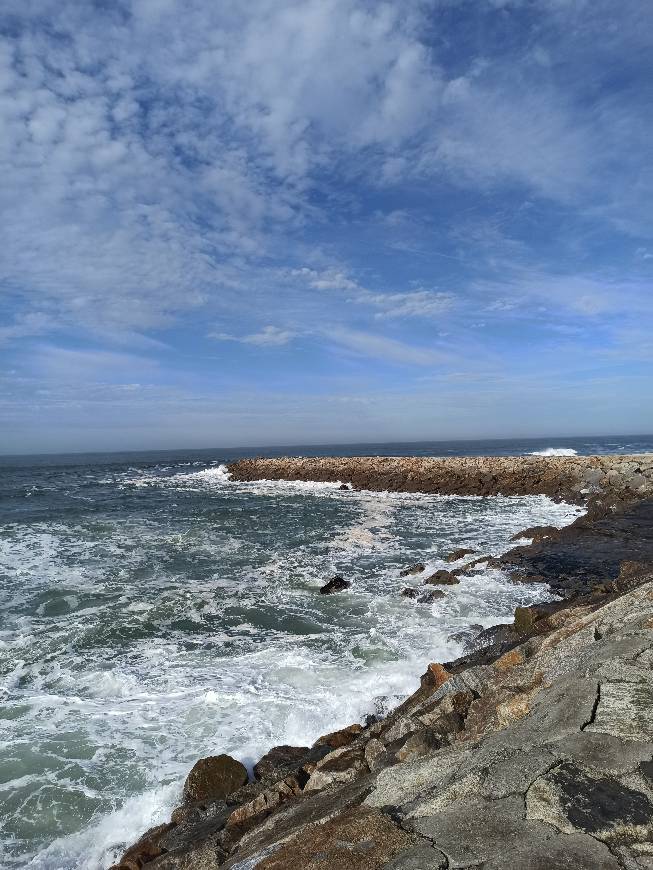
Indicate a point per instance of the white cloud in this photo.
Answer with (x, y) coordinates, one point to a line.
(416, 303)
(269, 336)
(388, 349)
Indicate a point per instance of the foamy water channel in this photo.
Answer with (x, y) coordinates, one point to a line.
(157, 614)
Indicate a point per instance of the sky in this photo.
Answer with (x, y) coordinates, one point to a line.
(233, 224)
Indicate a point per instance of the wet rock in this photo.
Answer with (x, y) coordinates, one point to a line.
(409, 592)
(214, 778)
(589, 551)
(574, 799)
(344, 487)
(336, 584)
(537, 533)
(338, 739)
(466, 635)
(459, 554)
(417, 568)
(431, 596)
(442, 578)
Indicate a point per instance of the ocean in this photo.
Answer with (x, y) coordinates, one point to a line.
(154, 611)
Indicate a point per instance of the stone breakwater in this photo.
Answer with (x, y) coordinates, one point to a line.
(562, 477)
(533, 751)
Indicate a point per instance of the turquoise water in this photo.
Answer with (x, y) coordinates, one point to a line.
(153, 612)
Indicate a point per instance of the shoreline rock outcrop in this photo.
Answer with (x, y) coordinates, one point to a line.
(534, 750)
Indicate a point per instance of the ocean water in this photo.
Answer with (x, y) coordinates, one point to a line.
(153, 612)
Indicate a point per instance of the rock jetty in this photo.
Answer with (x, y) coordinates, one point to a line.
(572, 478)
(533, 751)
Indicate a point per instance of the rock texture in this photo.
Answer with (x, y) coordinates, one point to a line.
(568, 477)
(533, 751)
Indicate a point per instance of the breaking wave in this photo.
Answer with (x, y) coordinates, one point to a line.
(555, 451)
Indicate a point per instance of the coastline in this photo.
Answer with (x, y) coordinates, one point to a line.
(493, 748)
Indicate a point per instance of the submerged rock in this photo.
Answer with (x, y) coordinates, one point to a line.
(459, 554)
(214, 778)
(417, 568)
(337, 584)
(409, 592)
(432, 595)
(537, 533)
(442, 578)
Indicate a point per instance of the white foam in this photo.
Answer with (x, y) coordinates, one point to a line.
(230, 648)
(555, 451)
(95, 846)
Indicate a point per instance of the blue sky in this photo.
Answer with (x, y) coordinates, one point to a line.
(231, 223)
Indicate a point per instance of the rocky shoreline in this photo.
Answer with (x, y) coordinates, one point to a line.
(572, 478)
(534, 750)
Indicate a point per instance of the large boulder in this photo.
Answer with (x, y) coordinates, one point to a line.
(281, 759)
(214, 778)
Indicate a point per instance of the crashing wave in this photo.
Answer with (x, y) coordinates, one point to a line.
(555, 451)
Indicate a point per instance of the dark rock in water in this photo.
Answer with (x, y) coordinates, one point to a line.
(337, 584)
(537, 533)
(589, 551)
(432, 595)
(442, 578)
(467, 634)
(279, 759)
(459, 554)
(409, 592)
(214, 778)
(344, 486)
(417, 568)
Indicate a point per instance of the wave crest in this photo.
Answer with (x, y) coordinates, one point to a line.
(554, 451)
